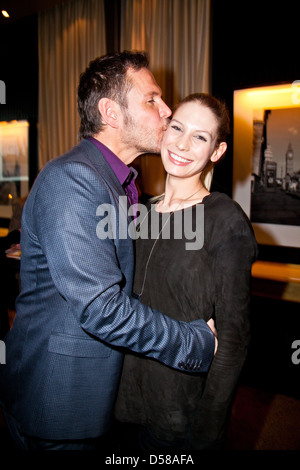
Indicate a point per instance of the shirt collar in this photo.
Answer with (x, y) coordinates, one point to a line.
(121, 170)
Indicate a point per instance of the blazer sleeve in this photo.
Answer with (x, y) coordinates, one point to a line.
(86, 272)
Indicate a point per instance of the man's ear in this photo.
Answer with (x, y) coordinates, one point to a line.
(220, 150)
(109, 111)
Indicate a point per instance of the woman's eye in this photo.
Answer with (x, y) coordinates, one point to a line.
(201, 137)
(176, 128)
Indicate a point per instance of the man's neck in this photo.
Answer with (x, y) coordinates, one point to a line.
(126, 155)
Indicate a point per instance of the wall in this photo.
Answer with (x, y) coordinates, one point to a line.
(255, 44)
(252, 44)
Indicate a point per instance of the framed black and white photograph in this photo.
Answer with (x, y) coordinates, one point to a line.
(275, 191)
(266, 167)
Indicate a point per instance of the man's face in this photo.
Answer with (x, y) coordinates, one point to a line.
(146, 117)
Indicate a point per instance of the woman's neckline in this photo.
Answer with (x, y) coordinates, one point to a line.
(184, 208)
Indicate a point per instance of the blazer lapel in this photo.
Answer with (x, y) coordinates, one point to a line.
(102, 167)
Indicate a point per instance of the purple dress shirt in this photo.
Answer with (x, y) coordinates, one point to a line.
(126, 175)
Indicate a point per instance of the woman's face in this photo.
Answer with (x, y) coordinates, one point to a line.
(189, 142)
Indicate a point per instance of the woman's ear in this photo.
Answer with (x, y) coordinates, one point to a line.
(109, 111)
(219, 152)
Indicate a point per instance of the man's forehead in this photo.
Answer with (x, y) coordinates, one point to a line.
(144, 82)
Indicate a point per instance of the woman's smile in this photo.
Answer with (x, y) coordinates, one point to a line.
(177, 160)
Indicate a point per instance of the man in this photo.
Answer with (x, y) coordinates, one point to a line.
(75, 312)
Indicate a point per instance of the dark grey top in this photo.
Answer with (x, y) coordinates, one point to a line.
(186, 285)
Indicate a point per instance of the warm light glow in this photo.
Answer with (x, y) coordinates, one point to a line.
(276, 96)
(4, 13)
(10, 196)
(270, 92)
(14, 151)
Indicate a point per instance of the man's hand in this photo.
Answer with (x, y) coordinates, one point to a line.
(211, 325)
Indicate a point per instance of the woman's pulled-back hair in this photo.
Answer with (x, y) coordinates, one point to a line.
(105, 77)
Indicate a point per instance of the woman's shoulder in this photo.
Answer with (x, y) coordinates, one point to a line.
(226, 215)
(222, 203)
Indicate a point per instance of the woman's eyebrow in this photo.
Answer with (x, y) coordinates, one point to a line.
(197, 130)
(176, 120)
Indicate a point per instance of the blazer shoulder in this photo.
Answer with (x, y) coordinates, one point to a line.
(84, 154)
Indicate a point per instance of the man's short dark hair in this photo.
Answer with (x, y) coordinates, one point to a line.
(106, 77)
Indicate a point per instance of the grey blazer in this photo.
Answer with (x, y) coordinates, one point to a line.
(75, 313)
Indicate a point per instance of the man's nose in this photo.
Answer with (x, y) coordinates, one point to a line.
(164, 110)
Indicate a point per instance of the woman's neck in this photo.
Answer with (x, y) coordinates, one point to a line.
(181, 193)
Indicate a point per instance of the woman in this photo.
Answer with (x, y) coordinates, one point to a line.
(174, 409)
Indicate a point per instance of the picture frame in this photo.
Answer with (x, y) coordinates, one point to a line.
(254, 167)
(14, 164)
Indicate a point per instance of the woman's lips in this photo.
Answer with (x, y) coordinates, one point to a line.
(177, 160)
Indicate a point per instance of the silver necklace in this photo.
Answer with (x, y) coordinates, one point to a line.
(157, 238)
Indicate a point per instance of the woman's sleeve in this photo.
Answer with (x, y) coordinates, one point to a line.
(232, 263)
